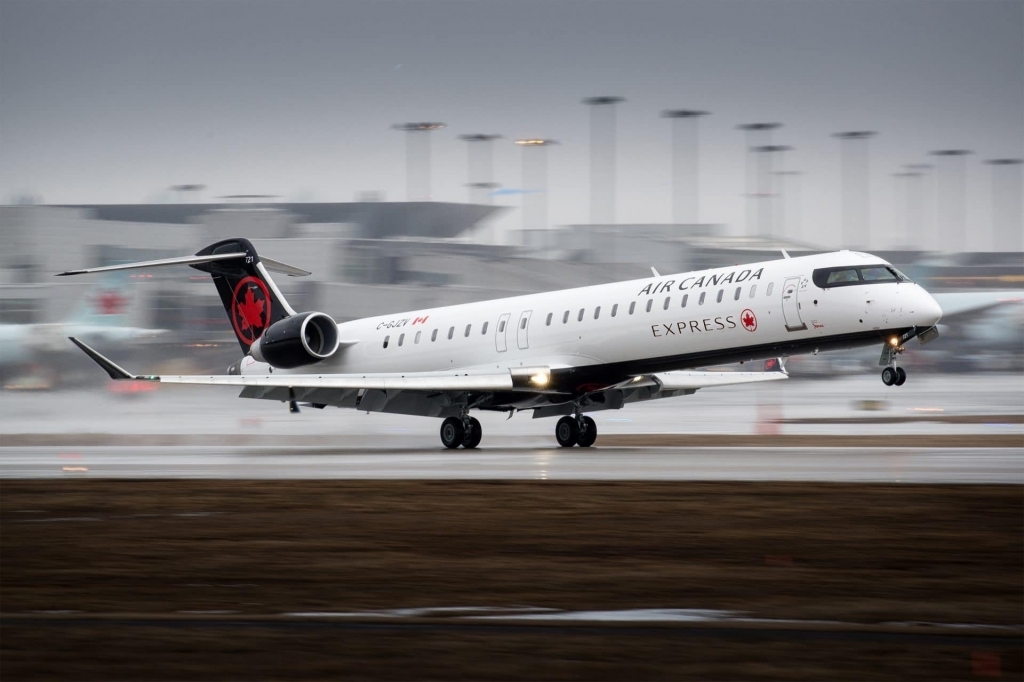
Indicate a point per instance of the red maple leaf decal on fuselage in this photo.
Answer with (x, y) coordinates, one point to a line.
(748, 320)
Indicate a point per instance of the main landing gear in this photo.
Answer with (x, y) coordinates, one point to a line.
(576, 430)
(892, 375)
(465, 431)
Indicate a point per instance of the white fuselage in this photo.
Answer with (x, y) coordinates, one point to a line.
(669, 321)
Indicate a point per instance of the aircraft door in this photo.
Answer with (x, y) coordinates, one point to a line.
(524, 330)
(791, 306)
(499, 333)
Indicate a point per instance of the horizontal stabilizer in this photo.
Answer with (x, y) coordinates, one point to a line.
(109, 366)
(268, 263)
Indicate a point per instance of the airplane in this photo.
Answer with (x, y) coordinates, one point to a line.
(560, 354)
(99, 315)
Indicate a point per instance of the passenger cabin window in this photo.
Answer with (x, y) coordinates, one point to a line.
(826, 278)
(468, 327)
(417, 339)
(686, 297)
(771, 285)
(501, 326)
(597, 312)
(548, 323)
(737, 296)
(451, 333)
(386, 339)
(700, 301)
(433, 336)
(632, 307)
(401, 339)
(565, 317)
(522, 322)
(721, 292)
(484, 329)
(668, 301)
(650, 304)
(753, 290)
(615, 309)
(579, 318)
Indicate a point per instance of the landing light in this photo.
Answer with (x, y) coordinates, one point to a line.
(894, 342)
(636, 379)
(540, 379)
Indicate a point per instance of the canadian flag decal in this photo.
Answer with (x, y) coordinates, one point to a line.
(420, 320)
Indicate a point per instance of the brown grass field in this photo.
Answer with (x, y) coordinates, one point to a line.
(116, 579)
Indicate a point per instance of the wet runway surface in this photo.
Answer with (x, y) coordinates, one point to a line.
(909, 465)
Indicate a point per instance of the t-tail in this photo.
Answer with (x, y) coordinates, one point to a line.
(266, 326)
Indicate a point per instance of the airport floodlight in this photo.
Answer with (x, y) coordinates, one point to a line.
(855, 134)
(479, 137)
(769, 148)
(414, 127)
(1004, 162)
(535, 142)
(757, 127)
(603, 99)
(951, 152)
(683, 113)
(188, 188)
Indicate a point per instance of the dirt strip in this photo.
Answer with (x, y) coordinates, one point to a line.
(680, 440)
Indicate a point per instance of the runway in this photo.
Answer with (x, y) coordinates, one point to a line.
(907, 465)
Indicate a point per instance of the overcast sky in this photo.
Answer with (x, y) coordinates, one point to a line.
(115, 101)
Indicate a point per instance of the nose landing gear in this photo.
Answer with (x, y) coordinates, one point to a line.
(892, 375)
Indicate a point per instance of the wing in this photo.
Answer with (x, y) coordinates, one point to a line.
(444, 393)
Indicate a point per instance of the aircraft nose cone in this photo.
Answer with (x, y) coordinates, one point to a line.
(928, 311)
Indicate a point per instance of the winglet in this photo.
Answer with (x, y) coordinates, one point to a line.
(115, 371)
(785, 254)
(655, 272)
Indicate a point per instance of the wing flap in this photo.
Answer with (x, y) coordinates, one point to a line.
(680, 381)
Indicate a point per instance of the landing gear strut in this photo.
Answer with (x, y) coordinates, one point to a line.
(465, 431)
(576, 430)
(892, 375)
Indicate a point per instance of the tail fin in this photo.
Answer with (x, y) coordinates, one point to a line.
(252, 300)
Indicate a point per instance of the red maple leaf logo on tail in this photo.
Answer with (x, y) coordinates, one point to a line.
(250, 309)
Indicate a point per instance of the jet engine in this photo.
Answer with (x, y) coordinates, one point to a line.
(295, 341)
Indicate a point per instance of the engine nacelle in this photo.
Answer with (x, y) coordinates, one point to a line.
(296, 341)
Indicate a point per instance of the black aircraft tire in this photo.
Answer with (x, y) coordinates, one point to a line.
(888, 376)
(589, 433)
(473, 434)
(901, 376)
(566, 432)
(452, 433)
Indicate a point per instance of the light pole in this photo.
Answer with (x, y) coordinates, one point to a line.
(685, 164)
(765, 173)
(602, 157)
(1007, 229)
(417, 158)
(788, 186)
(951, 202)
(480, 166)
(756, 135)
(918, 221)
(535, 182)
(856, 212)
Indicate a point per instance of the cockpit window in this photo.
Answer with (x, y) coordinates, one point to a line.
(878, 274)
(844, 276)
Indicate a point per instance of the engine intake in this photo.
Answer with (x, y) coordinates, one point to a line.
(302, 339)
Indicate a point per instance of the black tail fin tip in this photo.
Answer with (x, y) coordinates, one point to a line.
(249, 296)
